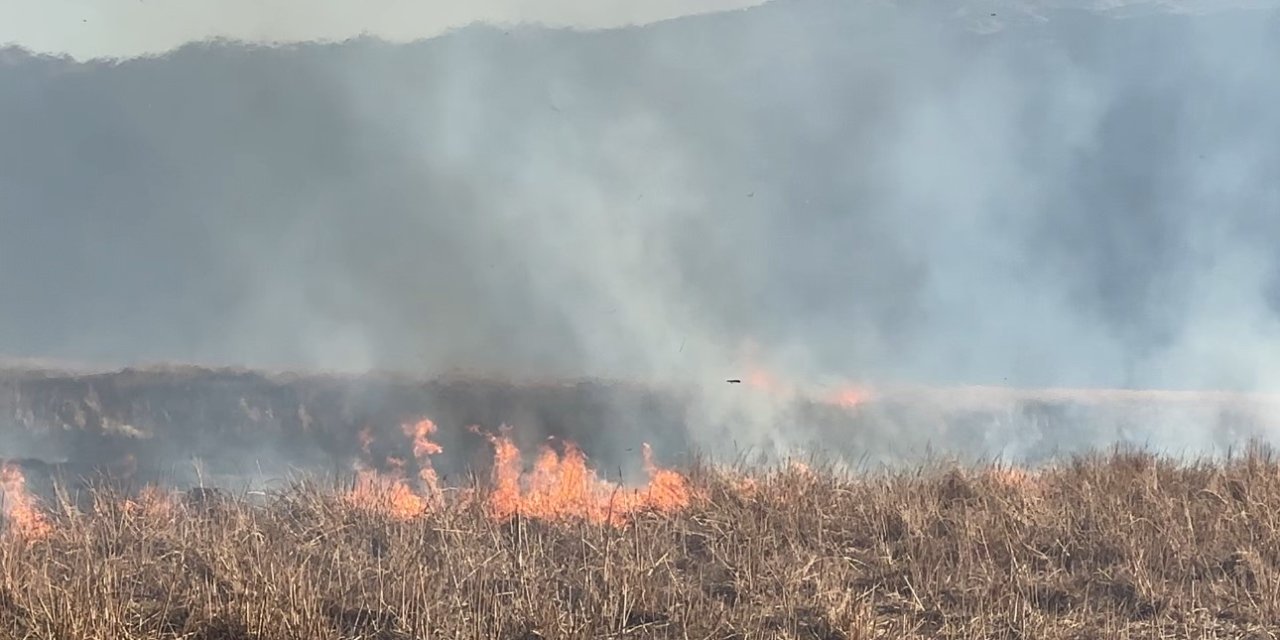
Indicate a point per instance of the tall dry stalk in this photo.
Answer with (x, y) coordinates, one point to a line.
(1111, 546)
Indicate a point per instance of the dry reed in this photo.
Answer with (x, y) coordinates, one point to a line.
(1112, 546)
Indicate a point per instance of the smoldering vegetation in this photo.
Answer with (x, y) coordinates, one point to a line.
(1105, 546)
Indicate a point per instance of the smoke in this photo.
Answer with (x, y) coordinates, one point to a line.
(891, 193)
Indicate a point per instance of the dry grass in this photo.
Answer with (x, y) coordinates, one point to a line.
(1123, 545)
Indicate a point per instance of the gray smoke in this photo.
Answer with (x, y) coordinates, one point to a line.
(891, 193)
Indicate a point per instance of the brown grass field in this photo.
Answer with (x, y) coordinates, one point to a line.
(1111, 546)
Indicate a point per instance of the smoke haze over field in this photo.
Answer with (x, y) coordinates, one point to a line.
(883, 192)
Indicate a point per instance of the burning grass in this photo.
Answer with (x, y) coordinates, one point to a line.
(1123, 545)
(561, 486)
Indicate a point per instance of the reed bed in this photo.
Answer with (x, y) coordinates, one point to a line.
(1121, 545)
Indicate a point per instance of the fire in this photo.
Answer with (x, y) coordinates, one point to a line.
(562, 486)
(668, 490)
(848, 397)
(1014, 478)
(419, 431)
(758, 378)
(152, 503)
(388, 495)
(423, 449)
(388, 492)
(765, 381)
(504, 496)
(20, 509)
(845, 396)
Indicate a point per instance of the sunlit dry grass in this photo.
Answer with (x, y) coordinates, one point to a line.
(1123, 545)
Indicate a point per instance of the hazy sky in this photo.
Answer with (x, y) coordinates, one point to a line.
(119, 28)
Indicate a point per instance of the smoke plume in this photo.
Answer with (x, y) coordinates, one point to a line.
(892, 193)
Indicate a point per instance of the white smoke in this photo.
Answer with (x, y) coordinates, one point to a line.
(883, 191)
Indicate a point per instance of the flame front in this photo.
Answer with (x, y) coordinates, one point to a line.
(388, 492)
(24, 518)
(423, 449)
(562, 487)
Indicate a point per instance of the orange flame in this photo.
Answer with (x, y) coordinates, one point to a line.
(668, 490)
(759, 378)
(563, 487)
(152, 503)
(560, 486)
(762, 379)
(419, 431)
(848, 397)
(423, 449)
(388, 493)
(504, 496)
(20, 509)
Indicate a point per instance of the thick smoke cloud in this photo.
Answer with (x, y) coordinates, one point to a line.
(857, 189)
